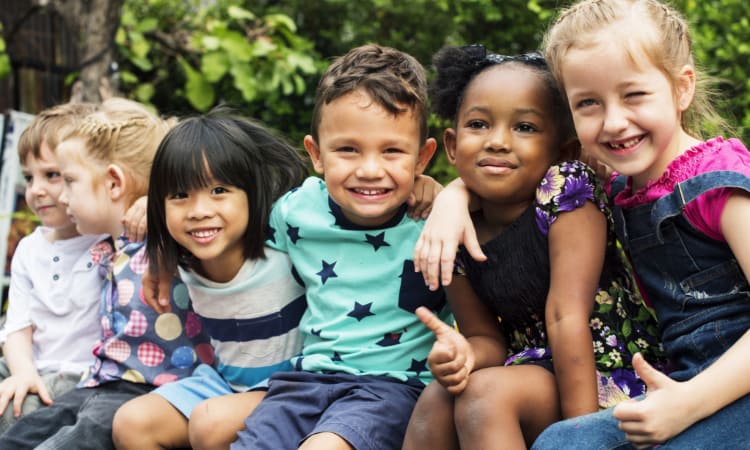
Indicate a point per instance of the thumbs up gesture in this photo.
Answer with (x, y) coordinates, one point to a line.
(663, 414)
(451, 358)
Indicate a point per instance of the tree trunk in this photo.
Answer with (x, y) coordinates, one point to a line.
(96, 22)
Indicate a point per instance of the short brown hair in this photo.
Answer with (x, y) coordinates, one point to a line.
(50, 126)
(391, 78)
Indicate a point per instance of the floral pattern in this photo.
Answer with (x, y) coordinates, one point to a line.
(621, 324)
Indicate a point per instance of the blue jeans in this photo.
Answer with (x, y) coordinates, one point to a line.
(80, 419)
(727, 429)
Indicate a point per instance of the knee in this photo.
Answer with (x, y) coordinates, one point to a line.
(203, 429)
(128, 423)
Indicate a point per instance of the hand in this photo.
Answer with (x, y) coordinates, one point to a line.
(602, 171)
(448, 225)
(16, 387)
(663, 414)
(421, 197)
(451, 358)
(134, 220)
(156, 290)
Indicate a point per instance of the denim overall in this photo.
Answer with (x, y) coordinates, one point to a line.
(697, 288)
(702, 302)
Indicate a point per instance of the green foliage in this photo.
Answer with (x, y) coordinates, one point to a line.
(265, 56)
(4, 60)
(186, 56)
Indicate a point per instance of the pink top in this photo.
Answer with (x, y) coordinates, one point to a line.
(704, 213)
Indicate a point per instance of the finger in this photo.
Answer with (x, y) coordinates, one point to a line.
(435, 261)
(4, 400)
(18, 398)
(140, 232)
(418, 254)
(165, 288)
(628, 412)
(432, 322)
(652, 377)
(44, 394)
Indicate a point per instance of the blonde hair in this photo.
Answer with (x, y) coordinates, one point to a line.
(125, 133)
(49, 126)
(662, 35)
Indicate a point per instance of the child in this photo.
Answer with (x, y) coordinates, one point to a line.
(54, 282)
(542, 219)
(104, 163)
(214, 179)
(684, 206)
(364, 354)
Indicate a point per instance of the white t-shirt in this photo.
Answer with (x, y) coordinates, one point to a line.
(55, 288)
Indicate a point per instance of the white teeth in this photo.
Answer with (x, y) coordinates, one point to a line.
(203, 233)
(370, 191)
(626, 144)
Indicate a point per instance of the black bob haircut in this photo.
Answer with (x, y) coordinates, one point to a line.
(232, 150)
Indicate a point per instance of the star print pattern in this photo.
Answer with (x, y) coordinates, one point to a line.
(360, 311)
(327, 272)
(377, 240)
(361, 288)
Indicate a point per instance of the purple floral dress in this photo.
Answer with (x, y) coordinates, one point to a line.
(514, 282)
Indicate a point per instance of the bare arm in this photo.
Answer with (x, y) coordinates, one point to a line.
(24, 377)
(577, 244)
(448, 225)
(670, 406)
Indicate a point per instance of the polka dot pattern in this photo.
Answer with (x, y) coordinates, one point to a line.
(168, 326)
(150, 354)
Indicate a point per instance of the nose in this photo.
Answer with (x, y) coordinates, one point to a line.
(200, 206)
(37, 188)
(615, 119)
(498, 139)
(370, 167)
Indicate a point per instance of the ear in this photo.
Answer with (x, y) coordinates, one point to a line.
(685, 87)
(314, 151)
(115, 182)
(449, 141)
(570, 149)
(425, 155)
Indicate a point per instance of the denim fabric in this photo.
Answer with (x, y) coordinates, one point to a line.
(727, 429)
(699, 293)
(80, 419)
(57, 383)
(702, 302)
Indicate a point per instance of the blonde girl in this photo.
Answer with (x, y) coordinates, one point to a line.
(105, 164)
(683, 204)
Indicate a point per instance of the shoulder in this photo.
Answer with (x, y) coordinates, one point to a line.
(305, 196)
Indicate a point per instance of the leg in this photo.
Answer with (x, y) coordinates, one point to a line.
(215, 422)
(509, 405)
(33, 429)
(149, 422)
(325, 441)
(431, 425)
(93, 425)
(597, 431)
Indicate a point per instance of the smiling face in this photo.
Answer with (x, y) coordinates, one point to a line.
(44, 184)
(506, 134)
(368, 157)
(628, 115)
(210, 223)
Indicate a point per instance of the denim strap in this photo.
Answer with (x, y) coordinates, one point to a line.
(686, 191)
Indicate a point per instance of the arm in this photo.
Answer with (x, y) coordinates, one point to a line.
(24, 377)
(448, 225)
(422, 196)
(654, 420)
(574, 276)
(456, 354)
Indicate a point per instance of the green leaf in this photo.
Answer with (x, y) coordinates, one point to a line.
(262, 46)
(235, 12)
(237, 46)
(198, 91)
(244, 81)
(147, 24)
(280, 20)
(145, 92)
(214, 65)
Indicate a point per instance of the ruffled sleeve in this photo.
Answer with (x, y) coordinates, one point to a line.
(566, 187)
